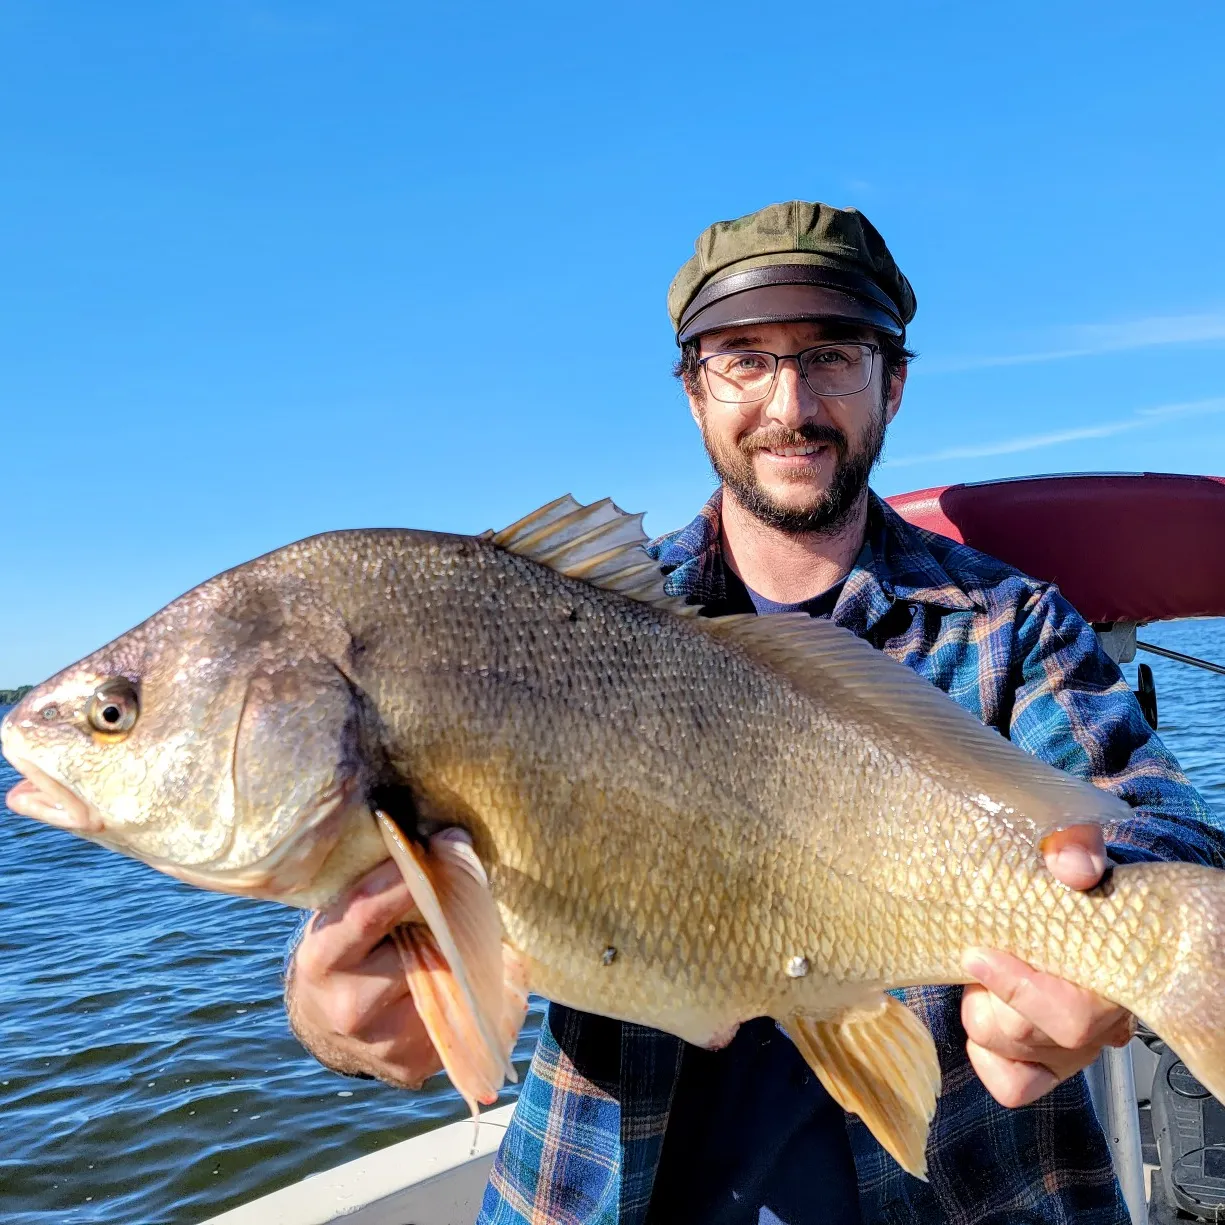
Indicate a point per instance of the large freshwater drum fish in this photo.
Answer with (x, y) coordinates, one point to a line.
(597, 796)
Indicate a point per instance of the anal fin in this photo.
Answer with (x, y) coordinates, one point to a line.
(880, 1063)
(466, 988)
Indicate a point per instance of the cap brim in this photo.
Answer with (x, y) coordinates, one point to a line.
(786, 304)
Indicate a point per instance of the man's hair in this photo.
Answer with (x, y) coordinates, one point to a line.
(894, 353)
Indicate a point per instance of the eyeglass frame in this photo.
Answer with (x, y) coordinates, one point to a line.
(873, 350)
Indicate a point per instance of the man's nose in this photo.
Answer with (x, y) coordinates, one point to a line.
(791, 401)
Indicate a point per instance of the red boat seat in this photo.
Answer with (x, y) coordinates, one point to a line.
(1139, 547)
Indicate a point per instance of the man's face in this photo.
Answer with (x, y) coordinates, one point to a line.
(795, 460)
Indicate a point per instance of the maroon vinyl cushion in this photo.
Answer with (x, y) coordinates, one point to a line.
(1138, 547)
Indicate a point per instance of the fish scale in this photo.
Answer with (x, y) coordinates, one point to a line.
(597, 795)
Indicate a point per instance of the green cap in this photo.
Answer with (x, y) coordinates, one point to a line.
(788, 262)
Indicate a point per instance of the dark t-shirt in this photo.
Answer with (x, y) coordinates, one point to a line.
(753, 1138)
(816, 606)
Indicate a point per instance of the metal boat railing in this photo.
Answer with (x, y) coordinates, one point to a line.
(1112, 1086)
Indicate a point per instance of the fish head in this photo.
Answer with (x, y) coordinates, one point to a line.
(216, 741)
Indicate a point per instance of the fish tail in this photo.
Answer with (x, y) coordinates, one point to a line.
(1180, 990)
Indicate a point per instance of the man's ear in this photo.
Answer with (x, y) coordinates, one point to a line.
(896, 387)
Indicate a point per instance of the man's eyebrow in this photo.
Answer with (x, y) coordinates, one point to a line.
(831, 331)
(747, 341)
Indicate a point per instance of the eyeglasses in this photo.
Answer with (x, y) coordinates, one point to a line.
(742, 376)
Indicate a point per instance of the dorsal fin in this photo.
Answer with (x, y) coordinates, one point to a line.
(833, 666)
(600, 544)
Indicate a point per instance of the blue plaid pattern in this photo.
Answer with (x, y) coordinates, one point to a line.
(588, 1130)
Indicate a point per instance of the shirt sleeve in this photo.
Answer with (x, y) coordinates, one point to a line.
(295, 938)
(1074, 709)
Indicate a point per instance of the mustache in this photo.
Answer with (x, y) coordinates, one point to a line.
(777, 437)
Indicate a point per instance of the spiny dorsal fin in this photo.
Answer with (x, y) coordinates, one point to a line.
(834, 667)
(600, 544)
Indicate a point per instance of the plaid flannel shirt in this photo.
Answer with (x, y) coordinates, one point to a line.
(588, 1130)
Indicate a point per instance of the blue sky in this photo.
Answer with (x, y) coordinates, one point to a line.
(272, 268)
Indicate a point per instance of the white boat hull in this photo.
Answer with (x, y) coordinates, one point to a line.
(445, 1173)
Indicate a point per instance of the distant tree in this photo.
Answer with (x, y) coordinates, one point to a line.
(10, 697)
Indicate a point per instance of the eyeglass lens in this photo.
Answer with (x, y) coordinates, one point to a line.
(741, 376)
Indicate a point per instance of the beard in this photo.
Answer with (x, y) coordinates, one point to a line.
(830, 510)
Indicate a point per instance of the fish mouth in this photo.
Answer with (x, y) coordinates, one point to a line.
(287, 868)
(46, 799)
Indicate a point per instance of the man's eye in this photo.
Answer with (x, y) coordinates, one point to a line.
(830, 357)
(748, 362)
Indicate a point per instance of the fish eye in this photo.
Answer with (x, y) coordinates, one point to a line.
(50, 713)
(114, 707)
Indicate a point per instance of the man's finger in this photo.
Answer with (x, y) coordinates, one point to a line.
(1068, 1014)
(359, 995)
(1010, 1082)
(992, 1025)
(1076, 855)
(378, 880)
(344, 934)
(1123, 1032)
(990, 1022)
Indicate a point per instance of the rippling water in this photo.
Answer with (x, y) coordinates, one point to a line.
(147, 1074)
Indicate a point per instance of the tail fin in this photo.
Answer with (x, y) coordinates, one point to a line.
(1181, 991)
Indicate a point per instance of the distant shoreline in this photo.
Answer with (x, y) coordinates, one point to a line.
(10, 697)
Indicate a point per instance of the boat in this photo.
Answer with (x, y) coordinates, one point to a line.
(1127, 549)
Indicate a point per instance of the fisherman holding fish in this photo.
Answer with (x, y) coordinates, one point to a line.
(791, 327)
(821, 944)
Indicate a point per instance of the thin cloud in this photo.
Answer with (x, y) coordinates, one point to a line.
(1142, 418)
(1096, 339)
(264, 20)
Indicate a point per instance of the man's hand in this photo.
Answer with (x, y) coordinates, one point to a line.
(347, 996)
(1028, 1031)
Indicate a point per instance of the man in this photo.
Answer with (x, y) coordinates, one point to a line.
(791, 324)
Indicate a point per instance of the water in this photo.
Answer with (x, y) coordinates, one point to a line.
(147, 1074)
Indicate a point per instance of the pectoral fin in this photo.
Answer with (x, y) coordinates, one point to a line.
(476, 1072)
(880, 1063)
(464, 987)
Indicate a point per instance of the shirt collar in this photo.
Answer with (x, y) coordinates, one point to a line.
(896, 563)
